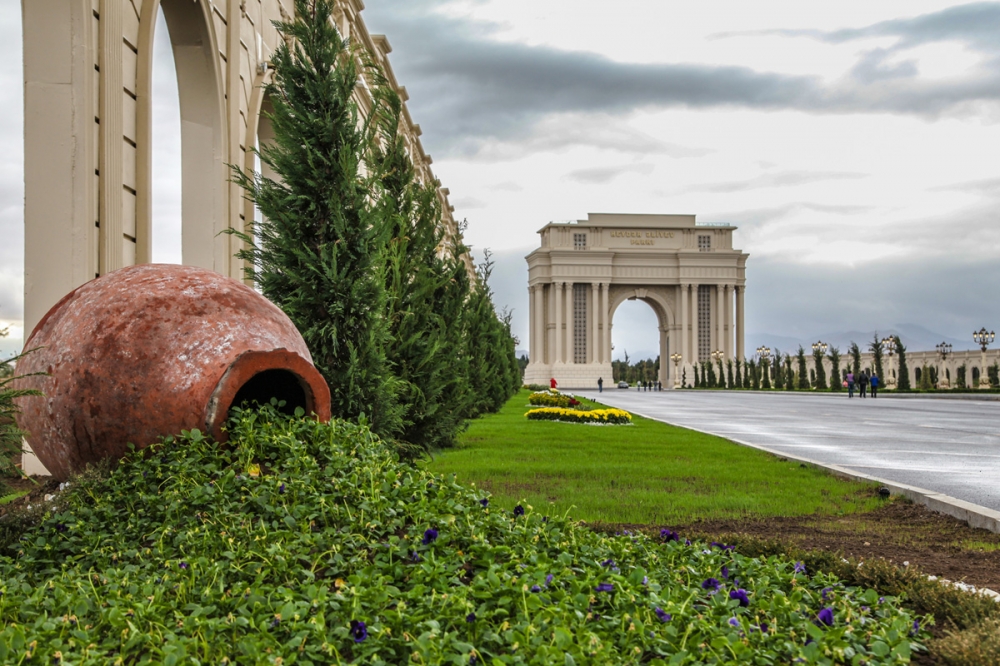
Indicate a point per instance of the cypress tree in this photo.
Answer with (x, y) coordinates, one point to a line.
(754, 375)
(820, 370)
(709, 373)
(960, 373)
(739, 374)
(722, 375)
(903, 381)
(803, 373)
(789, 375)
(317, 253)
(765, 374)
(855, 353)
(836, 383)
(776, 366)
(729, 374)
(875, 347)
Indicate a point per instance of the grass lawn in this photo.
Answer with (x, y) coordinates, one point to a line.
(646, 473)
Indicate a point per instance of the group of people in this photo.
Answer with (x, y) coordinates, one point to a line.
(865, 382)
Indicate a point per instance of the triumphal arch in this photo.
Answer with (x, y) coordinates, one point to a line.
(87, 126)
(688, 273)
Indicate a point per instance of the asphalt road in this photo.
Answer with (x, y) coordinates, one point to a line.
(949, 446)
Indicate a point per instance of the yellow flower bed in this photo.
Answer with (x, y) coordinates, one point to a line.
(603, 416)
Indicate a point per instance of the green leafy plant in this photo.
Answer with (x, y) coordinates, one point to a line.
(877, 350)
(854, 351)
(803, 374)
(310, 543)
(10, 435)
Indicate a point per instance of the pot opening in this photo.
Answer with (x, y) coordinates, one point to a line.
(281, 384)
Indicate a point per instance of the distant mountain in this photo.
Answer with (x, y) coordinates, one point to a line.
(914, 336)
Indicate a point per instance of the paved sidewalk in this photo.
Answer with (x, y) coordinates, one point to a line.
(951, 447)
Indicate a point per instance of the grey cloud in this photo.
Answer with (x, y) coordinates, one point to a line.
(780, 179)
(988, 186)
(463, 78)
(873, 67)
(976, 24)
(507, 186)
(468, 203)
(601, 175)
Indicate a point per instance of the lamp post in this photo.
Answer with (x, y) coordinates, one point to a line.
(943, 349)
(764, 354)
(676, 358)
(717, 356)
(984, 339)
(889, 343)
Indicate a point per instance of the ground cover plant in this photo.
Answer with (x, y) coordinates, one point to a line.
(302, 543)
(649, 473)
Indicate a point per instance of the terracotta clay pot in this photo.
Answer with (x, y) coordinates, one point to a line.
(148, 351)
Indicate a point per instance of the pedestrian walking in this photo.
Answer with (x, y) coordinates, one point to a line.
(552, 382)
(862, 384)
(850, 384)
(600, 384)
(874, 384)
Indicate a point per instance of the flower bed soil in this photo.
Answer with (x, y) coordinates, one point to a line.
(899, 531)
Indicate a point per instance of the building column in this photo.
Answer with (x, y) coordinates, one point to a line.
(740, 351)
(594, 289)
(695, 333)
(540, 324)
(559, 315)
(532, 340)
(720, 325)
(664, 374)
(730, 332)
(685, 315)
(606, 318)
(570, 348)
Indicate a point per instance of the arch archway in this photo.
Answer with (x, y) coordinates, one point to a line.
(204, 141)
(659, 303)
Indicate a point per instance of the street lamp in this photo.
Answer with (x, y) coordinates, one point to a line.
(718, 355)
(676, 358)
(820, 346)
(764, 353)
(984, 339)
(889, 343)
(943, 348)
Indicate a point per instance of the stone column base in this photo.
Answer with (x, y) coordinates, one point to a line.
(580, 376)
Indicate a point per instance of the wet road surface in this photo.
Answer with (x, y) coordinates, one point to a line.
(948, 446)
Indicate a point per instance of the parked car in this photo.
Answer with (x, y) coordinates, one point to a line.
(622, 384)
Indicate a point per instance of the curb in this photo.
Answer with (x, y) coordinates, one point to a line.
(974, 515)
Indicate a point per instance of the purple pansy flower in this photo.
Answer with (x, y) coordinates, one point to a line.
(710, 584)
(741, 596)
(826, 616)
(471, 617)
(183, 565)
(548, 580)
(826, 591)
(669, 535)
(518, 510)
(484, 502)
(734, 622)
(800, 568)
(725, 572)
(281, 488)
(663, 615)
(645, 580)
(605, 587)
(359, 631)
(430, 536)
(536, 588)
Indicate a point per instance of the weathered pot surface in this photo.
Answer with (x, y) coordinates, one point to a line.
(151, 350)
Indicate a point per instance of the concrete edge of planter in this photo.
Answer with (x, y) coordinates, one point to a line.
(973, 514)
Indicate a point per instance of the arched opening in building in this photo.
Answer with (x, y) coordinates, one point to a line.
(636, 343)
(975, 376)
(166, 150)
(281, 385)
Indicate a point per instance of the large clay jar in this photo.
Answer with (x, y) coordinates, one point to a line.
(148, 351)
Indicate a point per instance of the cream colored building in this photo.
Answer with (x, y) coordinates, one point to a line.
(87, 125)
(688, 273)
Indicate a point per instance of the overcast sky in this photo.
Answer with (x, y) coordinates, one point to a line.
(854, 144)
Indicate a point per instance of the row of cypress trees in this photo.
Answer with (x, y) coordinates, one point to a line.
(351, 248)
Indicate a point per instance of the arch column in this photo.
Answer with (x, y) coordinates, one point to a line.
(595, 287)
(740, 351)
(606, 318)
(570, 349)
(720, 323)
(538, 354)
(695, 323)
(559, 315)
(730, 332)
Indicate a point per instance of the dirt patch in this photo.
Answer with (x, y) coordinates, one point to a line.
(899, 531)
(37, 488)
